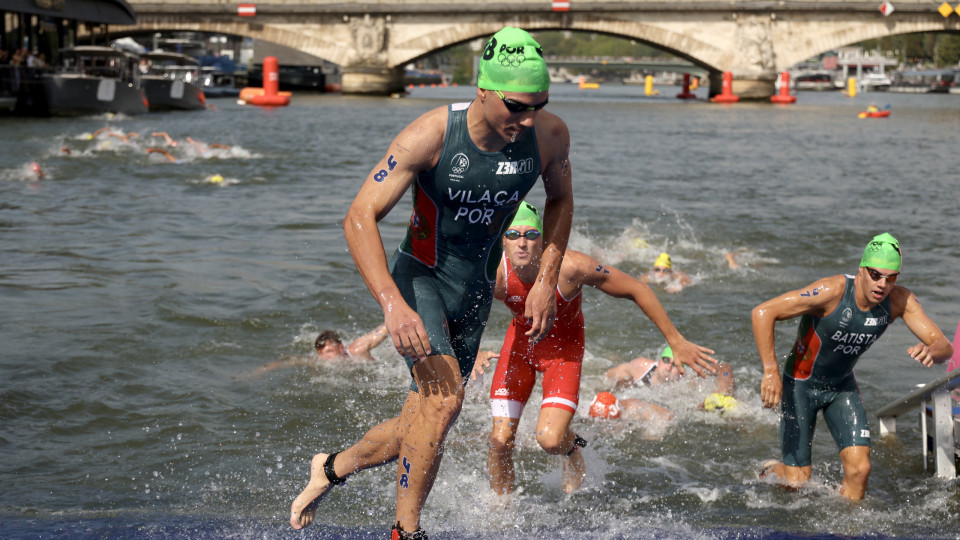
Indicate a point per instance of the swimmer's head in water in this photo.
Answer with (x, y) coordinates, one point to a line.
(662, 263)
(719, 402)
(36, 169)
(666, 354)
(329, 345)
(527, 215)
(605, 405)
(882, 252)
(513, 61)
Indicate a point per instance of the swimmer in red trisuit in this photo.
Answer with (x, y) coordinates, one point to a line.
(559, 356)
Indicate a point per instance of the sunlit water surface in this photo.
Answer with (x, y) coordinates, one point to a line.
(138, 296)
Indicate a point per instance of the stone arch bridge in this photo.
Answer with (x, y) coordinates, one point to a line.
(372, 40)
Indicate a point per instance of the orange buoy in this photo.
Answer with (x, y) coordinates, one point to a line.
(726, 94)
(685, 92)
(784, 96)
(269, 95)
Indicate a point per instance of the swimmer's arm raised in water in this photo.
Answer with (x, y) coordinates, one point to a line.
(361, 347)
(165, 136)
(617, 284)
(163, 153)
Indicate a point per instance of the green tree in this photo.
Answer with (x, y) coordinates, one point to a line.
(939, 48)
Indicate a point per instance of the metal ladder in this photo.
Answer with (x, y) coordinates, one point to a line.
(933, 398)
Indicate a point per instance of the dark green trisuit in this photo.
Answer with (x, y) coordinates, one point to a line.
(447, 264)
(819, 375)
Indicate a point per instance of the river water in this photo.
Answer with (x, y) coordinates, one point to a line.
(138, 298)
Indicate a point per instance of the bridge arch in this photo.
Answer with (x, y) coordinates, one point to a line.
(373, 40)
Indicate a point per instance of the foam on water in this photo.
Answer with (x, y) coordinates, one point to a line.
(138, 299)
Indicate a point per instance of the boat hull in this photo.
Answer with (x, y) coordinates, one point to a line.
(77, 94)
(167, 94)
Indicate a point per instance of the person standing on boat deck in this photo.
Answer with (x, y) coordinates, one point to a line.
(559, 355)
(841, 317)
(470, 165)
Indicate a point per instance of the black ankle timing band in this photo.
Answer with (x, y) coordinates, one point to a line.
(577, 441)
(328, 470)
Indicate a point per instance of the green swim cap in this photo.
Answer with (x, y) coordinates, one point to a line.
(512, 61)
(667, 352)
(882, 252)
(527, 215)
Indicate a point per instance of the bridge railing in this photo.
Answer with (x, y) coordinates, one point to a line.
(945, 425)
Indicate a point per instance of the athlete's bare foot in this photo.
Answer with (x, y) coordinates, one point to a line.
(574, 471)
(304, 507)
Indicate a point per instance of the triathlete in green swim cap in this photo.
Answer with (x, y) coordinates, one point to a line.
(840, 317)
(643, 371)
(437, 291)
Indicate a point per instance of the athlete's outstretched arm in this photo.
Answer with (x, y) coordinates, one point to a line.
(541, 305)
(934, 347)
(415, 149)
(618, 284)
(810, 300)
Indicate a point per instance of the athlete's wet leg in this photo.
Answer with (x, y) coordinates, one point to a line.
(555, 437)
(441, 398)
(856, 471)
(381, 444)
(500, 456)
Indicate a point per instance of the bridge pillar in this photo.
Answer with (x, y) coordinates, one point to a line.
(379, 81)
(754, 86)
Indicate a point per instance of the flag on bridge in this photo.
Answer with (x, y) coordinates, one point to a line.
(246, 10)
(886, 8)
(560, 5)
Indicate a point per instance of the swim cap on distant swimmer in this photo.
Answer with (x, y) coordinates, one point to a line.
(882, 252)
(667, 352)
(663, 260)
(528, 215)
(512, 61)
(605, 405)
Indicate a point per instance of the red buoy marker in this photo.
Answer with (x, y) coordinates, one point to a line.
(726, 94)
(269, 95)
(784, 96)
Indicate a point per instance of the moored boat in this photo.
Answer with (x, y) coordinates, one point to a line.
(931, 81)
(172, 81)
(218, 83)
(877, 82)
(813, 81)
(94, 79)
